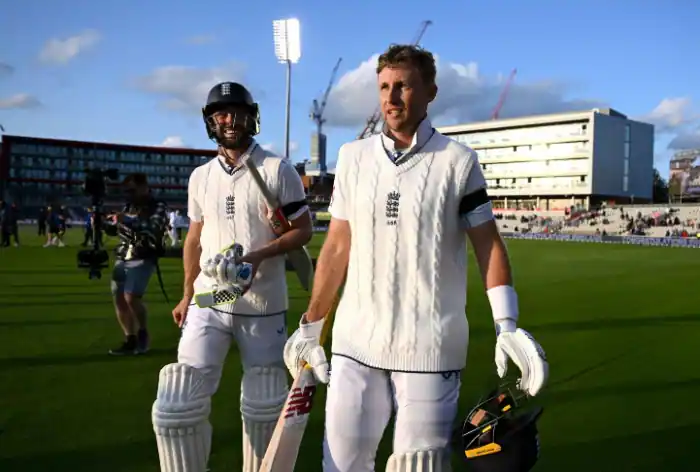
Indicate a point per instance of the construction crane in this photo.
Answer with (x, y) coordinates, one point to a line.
(373, 121)
(317, 162)
(316, 109)
(504, 94)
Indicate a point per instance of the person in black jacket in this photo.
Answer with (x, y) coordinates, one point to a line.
(140, 227)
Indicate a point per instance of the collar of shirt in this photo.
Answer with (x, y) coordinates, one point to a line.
(246, 155)
(421, 136)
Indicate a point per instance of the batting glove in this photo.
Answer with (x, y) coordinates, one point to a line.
(227, 272)
(520, 347)
(303, 346)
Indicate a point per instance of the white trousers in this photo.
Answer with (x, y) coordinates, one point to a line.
(207, 335)
(360, 402)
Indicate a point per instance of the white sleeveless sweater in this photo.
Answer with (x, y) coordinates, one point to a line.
(233, 209)
(403, 306)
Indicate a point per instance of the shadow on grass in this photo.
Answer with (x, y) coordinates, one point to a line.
(16, 363)
(670, 448)
(602, 324)
(555, 396)
(667, 449)
(56, 322)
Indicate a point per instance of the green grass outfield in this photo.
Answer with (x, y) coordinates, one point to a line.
(620, 324)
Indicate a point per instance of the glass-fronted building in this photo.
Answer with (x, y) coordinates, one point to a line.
(36, 172)
(551, 162)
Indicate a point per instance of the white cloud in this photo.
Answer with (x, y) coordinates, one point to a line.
(6, 69)
(676, 119)
(173, 141)
(686, 140)
(273, 147)
(464, 95)
(185, 88)
(20, 100)
(201, 39)
(670, 115)
(64, 50)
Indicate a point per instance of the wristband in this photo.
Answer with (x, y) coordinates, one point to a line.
(504, 307)
(311, 329)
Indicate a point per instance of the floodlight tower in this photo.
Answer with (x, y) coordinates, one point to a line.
(287, 35)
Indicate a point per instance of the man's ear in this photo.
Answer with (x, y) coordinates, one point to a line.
(432, 92)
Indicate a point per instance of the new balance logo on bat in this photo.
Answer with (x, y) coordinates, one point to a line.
(301, 402)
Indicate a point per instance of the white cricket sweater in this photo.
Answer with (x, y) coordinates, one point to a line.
(403, 306)
(234, 210)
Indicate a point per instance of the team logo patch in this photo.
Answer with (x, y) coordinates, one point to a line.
(392, 208)
(230, 207)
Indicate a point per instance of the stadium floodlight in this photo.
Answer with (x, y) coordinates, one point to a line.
(287, 40)
(287, 34)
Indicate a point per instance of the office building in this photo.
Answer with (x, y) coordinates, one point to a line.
(35, 172)
(553, 162)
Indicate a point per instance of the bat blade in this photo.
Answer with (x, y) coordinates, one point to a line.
(299, 258)
(303, 267)
(283, 450)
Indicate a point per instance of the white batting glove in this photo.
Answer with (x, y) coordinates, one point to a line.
(209, 266)
(520, 347)
(303, 346)
(227, 272)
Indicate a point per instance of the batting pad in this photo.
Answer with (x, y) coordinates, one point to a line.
(263, 393)
(432, 460)
(180, 417)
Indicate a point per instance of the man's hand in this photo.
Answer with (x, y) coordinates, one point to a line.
(254, 259)
(304, 346)
(526, 353)
(180, 311)
(228, 269)
(279, 227)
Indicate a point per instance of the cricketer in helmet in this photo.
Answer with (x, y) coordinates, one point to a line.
(231, 117)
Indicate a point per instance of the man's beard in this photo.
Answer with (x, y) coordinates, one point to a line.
(233, 139)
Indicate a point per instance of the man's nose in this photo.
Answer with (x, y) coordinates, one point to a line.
(395, 95)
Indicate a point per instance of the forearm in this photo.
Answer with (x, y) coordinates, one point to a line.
(293, 239)
(191, 252)
(494, 264)
(331, 268)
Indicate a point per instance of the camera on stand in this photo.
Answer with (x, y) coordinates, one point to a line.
(95, 186)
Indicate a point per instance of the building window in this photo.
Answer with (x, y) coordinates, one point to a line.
(627, 150)
(625, 184)
(628, 133)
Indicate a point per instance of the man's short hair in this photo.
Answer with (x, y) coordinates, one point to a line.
(401, 55)
(138, 179)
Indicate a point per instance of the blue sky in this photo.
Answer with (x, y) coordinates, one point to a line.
(137, 71)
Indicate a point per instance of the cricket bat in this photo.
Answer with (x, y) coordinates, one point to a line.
(299, 258)
(281, 454)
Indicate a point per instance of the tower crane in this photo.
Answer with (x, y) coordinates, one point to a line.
(317, 162)
(373, 121)
(316, 109)
(504, 94)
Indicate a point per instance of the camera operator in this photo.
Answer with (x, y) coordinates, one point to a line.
(140, 227)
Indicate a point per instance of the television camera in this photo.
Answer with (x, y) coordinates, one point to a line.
(95, 186)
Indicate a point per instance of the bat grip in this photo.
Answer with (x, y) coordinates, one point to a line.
(280, 216)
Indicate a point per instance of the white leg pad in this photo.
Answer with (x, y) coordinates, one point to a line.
(263, 393)
(180, 417)
(432, 460)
